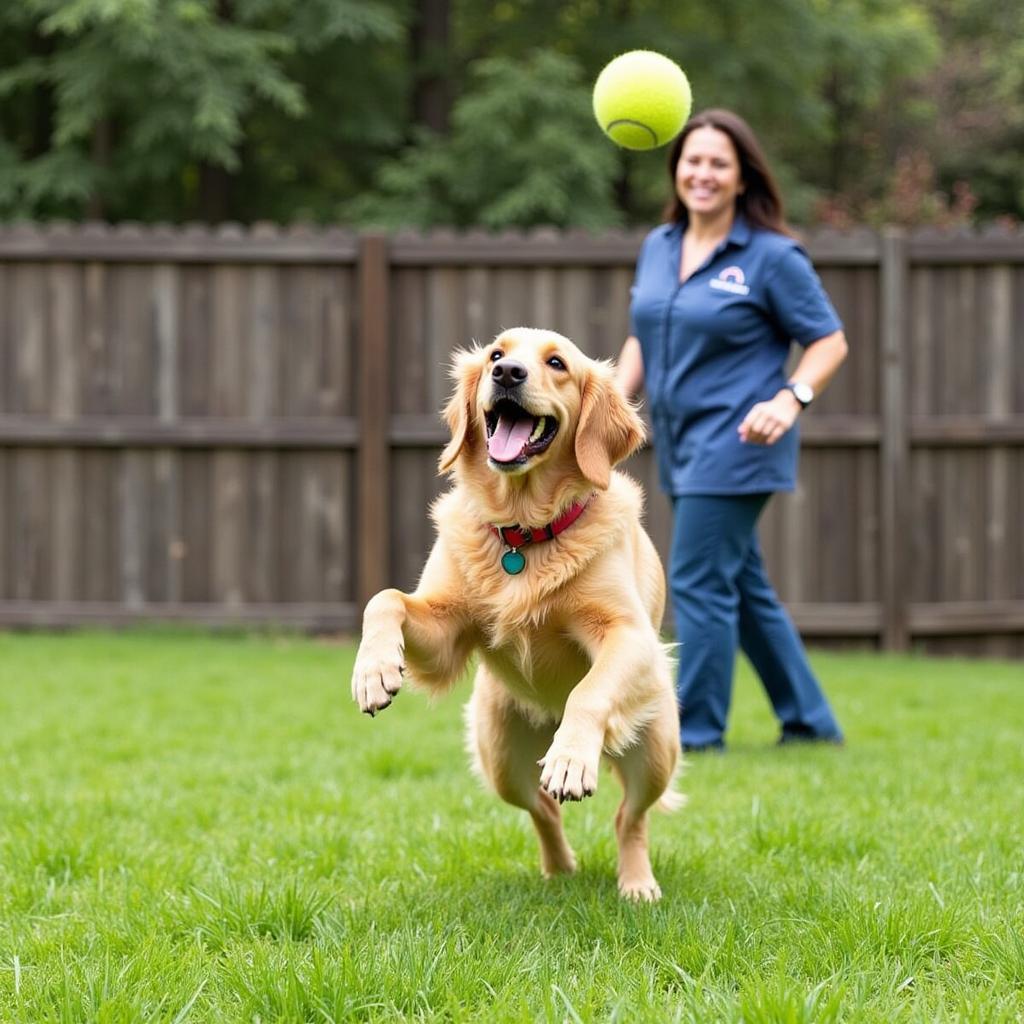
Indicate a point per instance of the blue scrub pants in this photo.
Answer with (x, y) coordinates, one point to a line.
(721, 595)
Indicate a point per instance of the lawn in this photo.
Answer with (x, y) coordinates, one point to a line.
(199, 828)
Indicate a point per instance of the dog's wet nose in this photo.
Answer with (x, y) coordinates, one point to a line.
(508, 373)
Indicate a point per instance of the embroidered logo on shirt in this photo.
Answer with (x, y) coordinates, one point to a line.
(730, 280)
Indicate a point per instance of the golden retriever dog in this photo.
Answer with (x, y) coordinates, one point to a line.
(541, 566)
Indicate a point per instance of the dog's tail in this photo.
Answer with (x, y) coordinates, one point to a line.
(672, 800)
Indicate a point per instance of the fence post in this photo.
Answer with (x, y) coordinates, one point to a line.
(895, 447)
(373, 473)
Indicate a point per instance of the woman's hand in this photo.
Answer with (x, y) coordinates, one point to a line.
(768, 421)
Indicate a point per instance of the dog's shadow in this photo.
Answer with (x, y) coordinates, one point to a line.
(520, 894)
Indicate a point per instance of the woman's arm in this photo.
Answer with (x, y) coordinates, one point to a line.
(629, 372)
(768, 421)
(820, 361)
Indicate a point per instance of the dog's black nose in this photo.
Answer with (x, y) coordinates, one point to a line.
(508, 373)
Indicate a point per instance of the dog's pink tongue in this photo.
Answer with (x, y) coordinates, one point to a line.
(510, 437)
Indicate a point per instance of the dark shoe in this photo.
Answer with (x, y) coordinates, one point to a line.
(788, 739)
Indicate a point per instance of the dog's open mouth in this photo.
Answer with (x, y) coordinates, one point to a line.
(515, 435)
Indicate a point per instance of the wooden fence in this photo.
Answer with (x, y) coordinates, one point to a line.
(241, 426)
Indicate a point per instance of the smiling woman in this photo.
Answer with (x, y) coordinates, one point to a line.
(722, 290)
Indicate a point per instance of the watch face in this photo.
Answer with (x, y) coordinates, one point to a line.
(804, 393)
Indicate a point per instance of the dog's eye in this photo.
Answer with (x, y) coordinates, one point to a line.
(555, 363)
(496, 355)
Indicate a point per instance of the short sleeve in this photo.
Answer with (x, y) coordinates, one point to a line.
(798, 300)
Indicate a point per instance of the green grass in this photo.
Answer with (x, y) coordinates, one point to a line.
(204, 829)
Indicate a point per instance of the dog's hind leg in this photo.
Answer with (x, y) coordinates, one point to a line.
(506, 746)
(646, 771)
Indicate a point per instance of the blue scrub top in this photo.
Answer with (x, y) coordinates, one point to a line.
(715, 345)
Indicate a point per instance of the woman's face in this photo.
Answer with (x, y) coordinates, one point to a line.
(708, 173)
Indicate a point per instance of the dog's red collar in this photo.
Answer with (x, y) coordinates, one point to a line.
(516, 537)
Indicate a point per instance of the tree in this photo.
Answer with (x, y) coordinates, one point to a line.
(474, 112)
(977, 90)
(523, 150)
(812, 78)
(145, 103)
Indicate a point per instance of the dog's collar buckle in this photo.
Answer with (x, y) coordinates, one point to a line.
(513, 561)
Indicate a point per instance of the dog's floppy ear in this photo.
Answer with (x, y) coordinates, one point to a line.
(459, 413)
(609, 429)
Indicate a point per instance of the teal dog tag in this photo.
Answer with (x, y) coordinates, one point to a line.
(513, 562)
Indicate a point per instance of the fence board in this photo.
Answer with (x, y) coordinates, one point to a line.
(229, 351)
(133, 499)
(263, 555)
(324, 393)
(28, 388)
(376, 369)
(65, 580)
(925, 538)
(6, 519)
(196, 527)
(894, 453)
(136, 344)
(100, 527)
(617, 284)
(407, 385)
(261, 334)
(31, 505)
(867, 535)
(165, 312)
(6, 345)
(411, 532)
(546, 296)
(228, 527)
(336, 527)
(921, 375)
(576, 305)
(165, 544)
(443, 330)
(64, 300)
(1017, 373)
(195, 350)
(479, 306)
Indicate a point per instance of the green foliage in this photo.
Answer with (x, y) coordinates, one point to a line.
(977, 136)
(205, 829)
(274, 109)
(815, 80)
(873, 50)
(523, 150)
(125, 101)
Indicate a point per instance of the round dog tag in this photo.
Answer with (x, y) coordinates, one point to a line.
(513, 562)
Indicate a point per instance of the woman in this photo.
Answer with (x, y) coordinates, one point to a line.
(721, 289)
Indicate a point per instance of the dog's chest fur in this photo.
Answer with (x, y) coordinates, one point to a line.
(539, 668)
(523, 621)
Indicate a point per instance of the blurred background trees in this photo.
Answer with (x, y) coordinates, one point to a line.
(477, 112)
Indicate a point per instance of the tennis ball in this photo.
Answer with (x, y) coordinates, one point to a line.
(642, 100)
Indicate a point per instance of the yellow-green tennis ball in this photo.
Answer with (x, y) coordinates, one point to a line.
(642, 100)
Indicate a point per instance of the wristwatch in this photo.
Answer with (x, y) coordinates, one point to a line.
(802, 392)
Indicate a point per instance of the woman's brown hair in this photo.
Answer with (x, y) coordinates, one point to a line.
(760, 202)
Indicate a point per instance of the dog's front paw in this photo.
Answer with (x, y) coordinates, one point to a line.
(376, 679)
(640, 890)
(568, 774)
